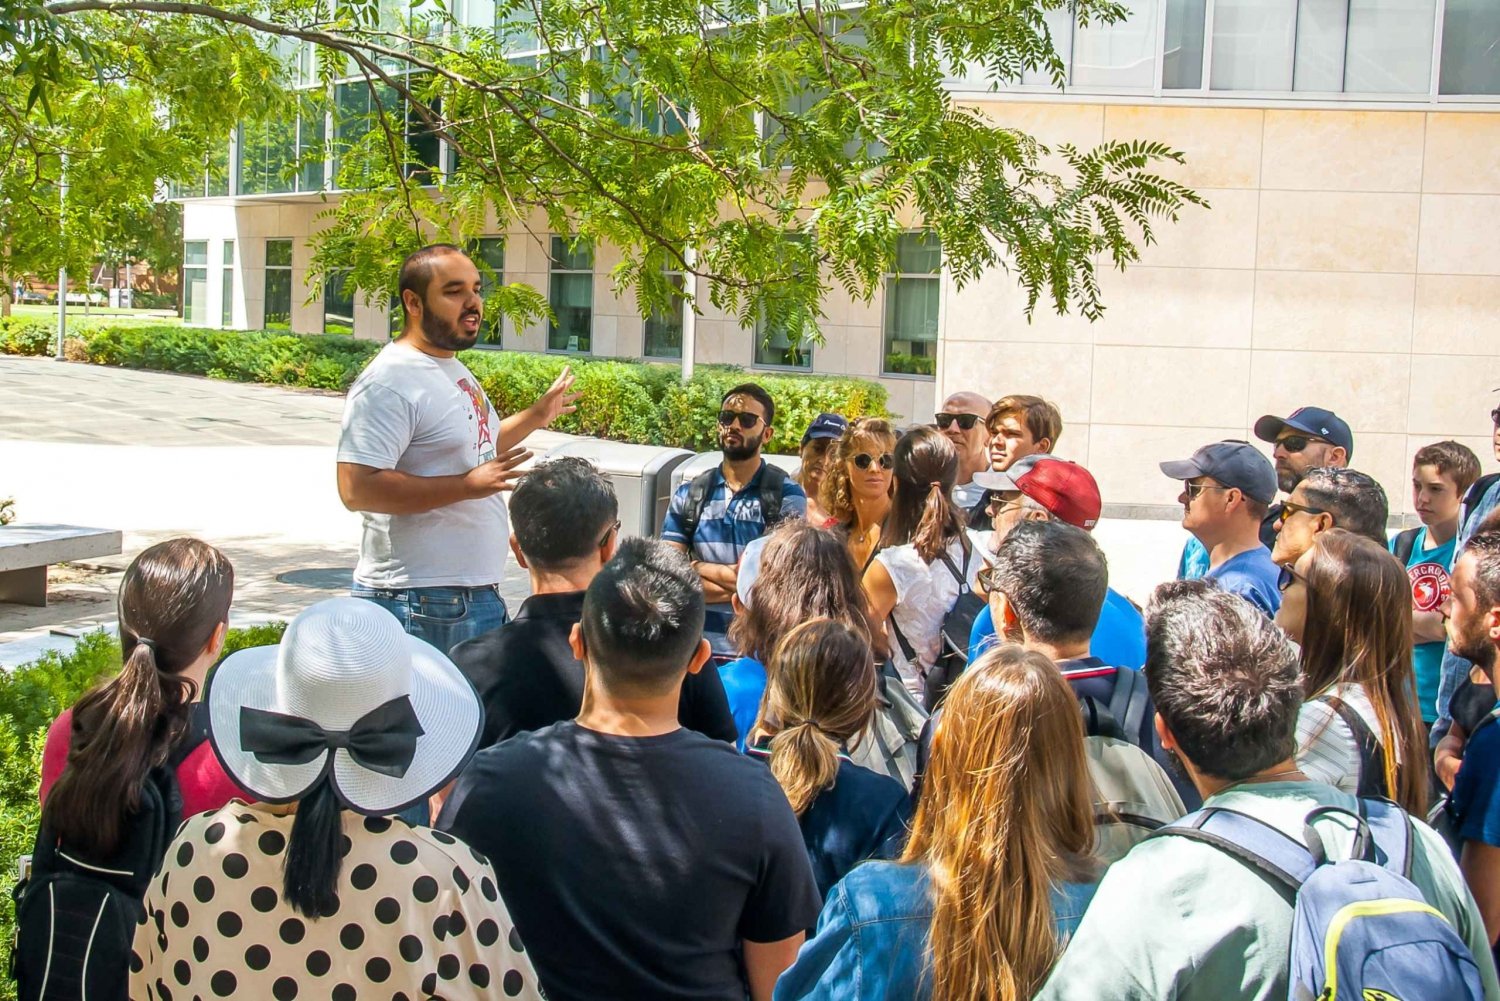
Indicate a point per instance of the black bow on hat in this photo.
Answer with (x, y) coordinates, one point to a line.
(383, 740)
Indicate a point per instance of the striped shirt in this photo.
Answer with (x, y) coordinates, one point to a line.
(1327, 750)
(729, 521)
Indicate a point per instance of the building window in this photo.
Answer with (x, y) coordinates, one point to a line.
(338, 304)
(1471, 39)
(227, 289)
(489, 256)
(572, 296)
(278, 285)
(663, 330)
(356, 105)
(195, 306)
(777, 345)
(912, 294)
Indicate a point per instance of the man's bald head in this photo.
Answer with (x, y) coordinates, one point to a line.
(973, 442)
(967, 402)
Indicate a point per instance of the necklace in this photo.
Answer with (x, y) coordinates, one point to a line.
(1273, 776)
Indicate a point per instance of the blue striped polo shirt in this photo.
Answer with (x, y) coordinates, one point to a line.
(729, 521)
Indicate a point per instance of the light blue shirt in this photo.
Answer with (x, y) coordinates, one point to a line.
(1455, 668)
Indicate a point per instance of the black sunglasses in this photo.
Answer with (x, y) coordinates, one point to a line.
(1288, 509)
(746, 420)
(605, 537)
(864, 460)
(965, 421)
(1287, 577)
(1297, 442)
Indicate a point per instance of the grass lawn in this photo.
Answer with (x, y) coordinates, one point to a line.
(76, 314)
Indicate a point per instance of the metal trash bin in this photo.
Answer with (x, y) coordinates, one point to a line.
(707, 460)
(641, 474)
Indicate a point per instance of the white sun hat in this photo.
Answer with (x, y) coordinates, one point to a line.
(349, 693)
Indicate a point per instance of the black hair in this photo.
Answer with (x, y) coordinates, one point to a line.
(314, 856)
(757, 394)
(1224, 679)
(1055, 576)
(416, 271)
(1485, 545)
(925, 466)
(561, 510)
(643, 617)
(1356, 500)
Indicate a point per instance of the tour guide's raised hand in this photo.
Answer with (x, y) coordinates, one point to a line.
(499, 473)
(556, 401)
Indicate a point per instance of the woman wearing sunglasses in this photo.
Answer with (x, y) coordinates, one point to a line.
(1347, 602)
(926, 555)
(857, 484)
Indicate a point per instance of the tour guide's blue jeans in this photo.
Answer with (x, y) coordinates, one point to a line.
(443, 616)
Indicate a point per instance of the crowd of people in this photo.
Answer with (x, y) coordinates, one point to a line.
(881, 729)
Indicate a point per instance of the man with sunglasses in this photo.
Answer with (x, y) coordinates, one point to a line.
(962, 421)
(720, 512)
(1227, 488)
(565, 525)
(1310, 438)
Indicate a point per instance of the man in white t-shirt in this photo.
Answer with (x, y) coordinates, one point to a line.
(424, 457)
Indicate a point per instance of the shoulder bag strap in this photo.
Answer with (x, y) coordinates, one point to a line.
(696, 498)
(1371, 751)
(772, 479)
(1253, 842)
(1404, 544)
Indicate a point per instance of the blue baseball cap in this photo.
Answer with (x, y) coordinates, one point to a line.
(1237, 464)
(825, 425)
(1315, 421)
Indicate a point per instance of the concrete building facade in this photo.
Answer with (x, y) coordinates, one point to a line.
(1349, 256)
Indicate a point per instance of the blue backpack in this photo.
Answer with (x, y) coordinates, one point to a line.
(1361, 931)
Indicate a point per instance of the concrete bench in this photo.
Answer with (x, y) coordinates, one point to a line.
(27, 550)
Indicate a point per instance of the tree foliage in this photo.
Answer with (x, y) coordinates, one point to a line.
(692, 136)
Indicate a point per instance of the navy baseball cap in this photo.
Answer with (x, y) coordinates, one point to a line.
(1315, 421)
(825, 426)
(1237, 464)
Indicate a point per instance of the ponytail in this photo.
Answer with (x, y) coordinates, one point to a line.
(313, 857)
(805, 761)
(922, 512)
(121, 730)
(936, 525)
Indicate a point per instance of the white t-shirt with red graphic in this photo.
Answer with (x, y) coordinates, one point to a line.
(428, 417)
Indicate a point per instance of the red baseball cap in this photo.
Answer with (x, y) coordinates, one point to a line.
(1065, 489)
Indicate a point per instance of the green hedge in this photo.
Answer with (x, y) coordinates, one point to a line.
(639, 402)
(31, 697)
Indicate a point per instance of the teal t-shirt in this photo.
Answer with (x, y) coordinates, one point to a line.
(1428, 570)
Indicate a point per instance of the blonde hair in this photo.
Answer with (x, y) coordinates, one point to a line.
(820, 694)
(835, 495)
(1005, 814)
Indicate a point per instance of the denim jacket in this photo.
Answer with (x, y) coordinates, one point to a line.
(871, 940)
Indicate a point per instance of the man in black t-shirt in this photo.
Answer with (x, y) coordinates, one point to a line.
(639, 859)
(564, 526)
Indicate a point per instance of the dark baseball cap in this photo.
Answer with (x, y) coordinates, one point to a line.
(1067, 490)
(825, 425)
(1315, 421)
(1237, 464)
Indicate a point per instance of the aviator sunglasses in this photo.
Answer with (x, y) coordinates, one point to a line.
(864, 460)
(746, 420)
(965, 421)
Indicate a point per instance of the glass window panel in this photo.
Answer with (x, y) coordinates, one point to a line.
(227, 289)
(1122, 54)
(312, 150)
(1253, 44)
(278, 253)
(195, 295)
(195, 252)
(1471, 48)
(918, 253)
(1182, 57)
(572, 255)
(774, 348)
(1390, 47)
(278, 315)
(573, 304)
(1322, 29)
(663, 331)
(489, 251)
(338, 304)
(1060, 23)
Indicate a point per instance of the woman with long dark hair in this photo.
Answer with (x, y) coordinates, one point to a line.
(926, 555)
(998, 869)
(321, 889)
(173, 614)
(1347, 602)
(820, 699)
(857, 484)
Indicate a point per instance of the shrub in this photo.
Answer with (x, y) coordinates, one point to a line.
(31, 697)
(22, 336)
(903, 364)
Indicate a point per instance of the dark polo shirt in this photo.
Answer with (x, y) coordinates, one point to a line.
(528, 679)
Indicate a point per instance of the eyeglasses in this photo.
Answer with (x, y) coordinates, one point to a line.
(1297, 442)
(999, 505)
(1287, 577)
(746, 420)
(965, 421)
(605, 537)
(1288, 509)
(864, 460)
(986, 578)
(1194, 490)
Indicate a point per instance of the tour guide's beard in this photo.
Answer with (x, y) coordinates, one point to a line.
(744, 449)
(448, 336)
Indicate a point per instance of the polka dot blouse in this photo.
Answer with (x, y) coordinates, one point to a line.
(418, 916)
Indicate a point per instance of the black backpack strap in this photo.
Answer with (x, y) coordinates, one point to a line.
(1371, 753)
(772, 480)
(906, 647)
(1253, 842)
(1403, 545)
(697, 497)
(1128, 703)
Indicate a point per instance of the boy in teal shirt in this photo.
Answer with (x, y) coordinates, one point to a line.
(1441, 474)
